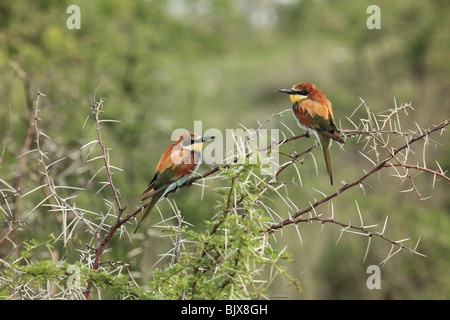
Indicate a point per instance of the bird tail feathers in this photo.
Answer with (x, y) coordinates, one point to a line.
(325, 143)
(147, 211)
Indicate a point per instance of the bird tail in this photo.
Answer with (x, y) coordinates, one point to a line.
(325, 143)
(147, 210)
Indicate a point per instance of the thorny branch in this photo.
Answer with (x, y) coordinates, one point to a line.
(296, 218)
(95, 112)
(370, 128)
(61, 203)
(28, 144)
(96, 106)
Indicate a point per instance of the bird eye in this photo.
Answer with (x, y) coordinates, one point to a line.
(304, 92)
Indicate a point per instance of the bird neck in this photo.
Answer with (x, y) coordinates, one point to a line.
(318, 96)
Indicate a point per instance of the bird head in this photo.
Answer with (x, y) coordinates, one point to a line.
(300, 91)
(192, 141)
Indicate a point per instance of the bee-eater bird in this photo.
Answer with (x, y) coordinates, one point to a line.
(314, 114)
(177, 164)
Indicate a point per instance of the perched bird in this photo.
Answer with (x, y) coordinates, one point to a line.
(314, 114)
(177, 164)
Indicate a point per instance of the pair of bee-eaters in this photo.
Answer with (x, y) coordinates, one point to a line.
(181, 159)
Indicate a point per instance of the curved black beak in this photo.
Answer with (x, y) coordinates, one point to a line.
(288, 91)
(207, 138)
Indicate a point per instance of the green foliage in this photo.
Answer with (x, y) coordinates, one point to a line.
(28, 278)
(224, 261)
(227, 259)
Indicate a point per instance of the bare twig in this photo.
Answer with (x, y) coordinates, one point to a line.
(61, 203)
(29, 137)
(95, 112)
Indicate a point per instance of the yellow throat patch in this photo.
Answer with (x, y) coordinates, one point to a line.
(297, 97)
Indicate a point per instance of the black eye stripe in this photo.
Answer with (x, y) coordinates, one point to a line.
(303, 92)
(188, 142)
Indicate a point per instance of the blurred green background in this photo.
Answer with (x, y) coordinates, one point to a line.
(164, 64)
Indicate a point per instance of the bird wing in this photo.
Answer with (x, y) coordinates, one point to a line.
(150, 189)
(160, 182)
(163, 175)
(168, 172)
(319, 117)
